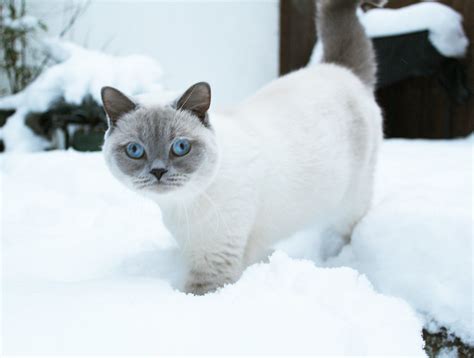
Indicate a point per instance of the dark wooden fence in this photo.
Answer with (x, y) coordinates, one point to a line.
(414, 108)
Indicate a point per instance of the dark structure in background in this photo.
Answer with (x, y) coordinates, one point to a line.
(78, 126)
(431, 103)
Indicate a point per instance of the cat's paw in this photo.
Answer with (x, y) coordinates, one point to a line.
(200, 282)
(200, 288)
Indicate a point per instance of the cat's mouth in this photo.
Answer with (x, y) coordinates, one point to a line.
(161, 183)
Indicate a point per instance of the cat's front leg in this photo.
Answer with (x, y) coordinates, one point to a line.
(210, 270)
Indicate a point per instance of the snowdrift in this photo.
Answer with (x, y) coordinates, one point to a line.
(89, 268)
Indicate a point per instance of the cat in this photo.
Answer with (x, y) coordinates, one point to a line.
(302, 150)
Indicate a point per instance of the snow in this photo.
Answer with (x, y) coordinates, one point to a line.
(425, 255)
(24, 23)
(15, 131)
(82, 256)
(284, 307)
(416, 242)
(79, 72)
(451, 352)
(444, 24)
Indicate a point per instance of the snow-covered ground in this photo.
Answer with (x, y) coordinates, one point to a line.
(89, 268)
(416, 242)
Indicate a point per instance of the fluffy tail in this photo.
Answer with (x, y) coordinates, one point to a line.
(343, 37)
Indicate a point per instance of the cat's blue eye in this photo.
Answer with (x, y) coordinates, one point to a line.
(135, 150)
(181, 147)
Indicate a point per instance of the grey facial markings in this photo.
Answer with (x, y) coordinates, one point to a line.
(156, 129)
(175, 180)
(177, 176)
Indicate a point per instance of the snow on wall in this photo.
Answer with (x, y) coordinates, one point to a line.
(443, 23)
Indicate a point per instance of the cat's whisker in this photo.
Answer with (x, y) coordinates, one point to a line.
(142, 181)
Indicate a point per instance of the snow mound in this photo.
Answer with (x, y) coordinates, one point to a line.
(444, 24)
(425, 255)
(416, 242)
(79, 72)
(89, 268)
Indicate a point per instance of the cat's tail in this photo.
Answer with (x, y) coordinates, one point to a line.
(343, 37)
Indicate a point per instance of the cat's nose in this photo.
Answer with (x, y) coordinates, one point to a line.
(158, 172)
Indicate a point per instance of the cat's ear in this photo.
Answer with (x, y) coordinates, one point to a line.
(116, 104)
(196, 99)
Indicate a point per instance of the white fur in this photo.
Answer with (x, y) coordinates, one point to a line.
(299, 152)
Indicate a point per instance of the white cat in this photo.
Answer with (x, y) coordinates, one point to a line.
(301, 151)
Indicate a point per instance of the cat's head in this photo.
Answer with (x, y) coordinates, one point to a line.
(161, 149)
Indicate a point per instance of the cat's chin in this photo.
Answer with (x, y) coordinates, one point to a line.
(163, 192)
(161, 188)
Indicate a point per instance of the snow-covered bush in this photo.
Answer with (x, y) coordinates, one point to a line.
(79, 73)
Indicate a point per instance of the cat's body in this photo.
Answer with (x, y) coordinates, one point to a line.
(301, 151)
(276, 173)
